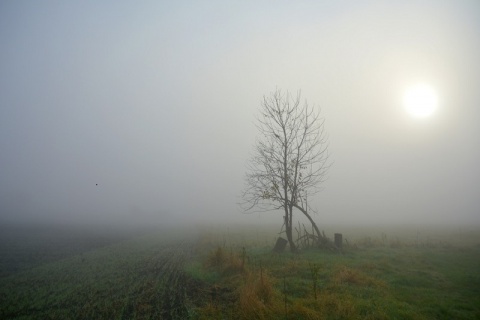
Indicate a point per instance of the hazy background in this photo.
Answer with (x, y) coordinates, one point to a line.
(155, 102)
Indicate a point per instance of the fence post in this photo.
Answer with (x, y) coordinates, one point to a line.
(338, 240)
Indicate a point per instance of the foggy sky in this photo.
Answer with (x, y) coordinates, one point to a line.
(155, 102)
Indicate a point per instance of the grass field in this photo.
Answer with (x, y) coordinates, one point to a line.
(427, 274)
(126, 277)
(231, 273)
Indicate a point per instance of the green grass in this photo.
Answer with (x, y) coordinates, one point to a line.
(235, 275)
(141, 278)
(378, 281)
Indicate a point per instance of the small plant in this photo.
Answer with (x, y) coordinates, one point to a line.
(314, 271)
(264, 288)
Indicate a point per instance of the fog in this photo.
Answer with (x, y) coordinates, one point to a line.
(144, 113)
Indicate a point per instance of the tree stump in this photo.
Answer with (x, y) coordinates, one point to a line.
(280, 245)
(338, 240)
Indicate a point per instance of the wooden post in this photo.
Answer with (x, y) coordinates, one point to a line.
(280, 245)
(338, 240)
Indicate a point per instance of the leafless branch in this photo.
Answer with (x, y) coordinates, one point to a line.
(290, 159)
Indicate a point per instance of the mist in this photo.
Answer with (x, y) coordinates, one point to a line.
(123, 113)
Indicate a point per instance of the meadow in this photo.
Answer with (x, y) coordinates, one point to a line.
(381, 273)
(226, 272)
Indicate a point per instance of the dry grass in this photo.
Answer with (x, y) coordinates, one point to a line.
(216, 258)
(292, 266)
(374, 278)
(350, 276)
(257, 297)
(324, 307)
(233, 265)
(209, 311)
(345, 275)
(300, 310)
(226, 263)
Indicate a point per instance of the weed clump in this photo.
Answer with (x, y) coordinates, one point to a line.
(226, 263)
(257, 297)
(351, 276)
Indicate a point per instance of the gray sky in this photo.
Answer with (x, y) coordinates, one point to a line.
(155, 102)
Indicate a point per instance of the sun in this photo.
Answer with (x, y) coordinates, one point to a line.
(420, 100)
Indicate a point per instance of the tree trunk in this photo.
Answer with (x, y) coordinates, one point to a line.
(291, 243)
(289, 229)
(314, 225)
(289, 232)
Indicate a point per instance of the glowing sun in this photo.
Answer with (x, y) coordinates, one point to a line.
(420, 101)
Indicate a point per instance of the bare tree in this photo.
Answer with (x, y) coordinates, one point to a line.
(289, 162)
